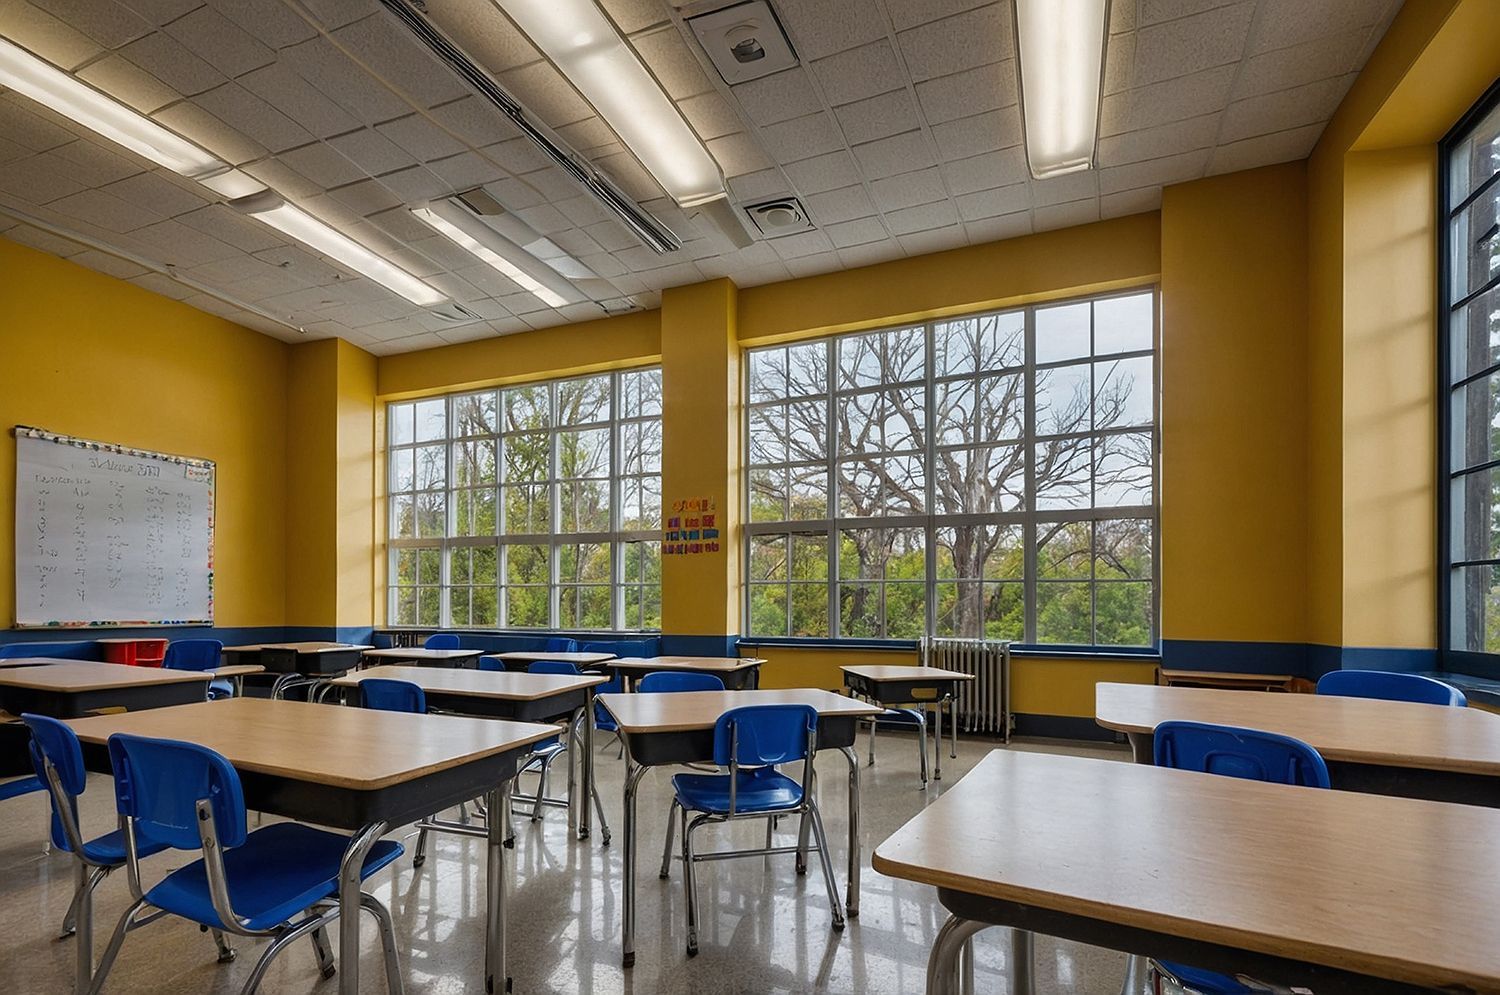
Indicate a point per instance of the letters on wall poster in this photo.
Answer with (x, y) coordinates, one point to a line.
(692, 527)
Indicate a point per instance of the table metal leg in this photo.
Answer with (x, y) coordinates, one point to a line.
(942, 965)
(494, 947)
(953, 724)
(586, 795)
(937, 743)
(1136, 970)
(851, 898)
(83, 927)
(1022, 962)
(350, 903)
(633, 776)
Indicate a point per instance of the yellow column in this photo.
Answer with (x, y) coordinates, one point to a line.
(701, 462)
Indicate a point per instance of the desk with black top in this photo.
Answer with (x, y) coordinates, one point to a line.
(353, 769)
(421, 656)
(889, 685)
(522, 660)
(76, 687)
(737, 673)
(298, 663)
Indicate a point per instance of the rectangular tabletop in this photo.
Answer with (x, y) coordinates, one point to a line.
(236, 670)
(1356, 730)
(690, 710)
(703, 664)
(421, 653)
(77, 676)
(507, 685)
(581, 659)
(314, 646)
(39, 661)
(1375, 885)
(903, 674)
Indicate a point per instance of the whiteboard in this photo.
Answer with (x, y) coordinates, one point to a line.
(108, 535)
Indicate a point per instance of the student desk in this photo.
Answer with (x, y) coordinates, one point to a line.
(236, 673)
(678, 728)
(1222, 679)
(300, 663)
(67, 690)
(898, 685)
(523, 697)
(1339, 891)
(1384, 747)
(39, 661)
(518, 660)
(420, 656)
(736, 673)
(351, 769)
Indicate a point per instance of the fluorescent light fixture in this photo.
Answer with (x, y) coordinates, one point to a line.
(1062, 72)
(52, 88)
(491, 250)
(310, 231)
(232, 184)
(583, 44)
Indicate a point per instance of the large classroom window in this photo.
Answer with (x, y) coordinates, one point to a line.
(989, 476)
(533, 506)
(1469, 461)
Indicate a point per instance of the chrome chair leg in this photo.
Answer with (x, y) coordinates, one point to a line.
(394, 981)
(226, 952)
(666, 849)
(690, 882)
(942, 964)
(420, 857)
(324, 953)
(872, 742)
(86, 881)
(827, 862)
(116, 940)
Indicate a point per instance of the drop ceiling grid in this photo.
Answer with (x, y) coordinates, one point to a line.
(899, 129)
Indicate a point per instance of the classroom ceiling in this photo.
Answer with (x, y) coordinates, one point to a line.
(898, 129)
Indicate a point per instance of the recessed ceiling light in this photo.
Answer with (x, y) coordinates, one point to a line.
(1061, 46)
(476, 238)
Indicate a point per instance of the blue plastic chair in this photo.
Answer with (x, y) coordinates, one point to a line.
(442, 641)
(561, 644)
(751, 741)
(58, 760)
(492, 664)
(1234, 752)
(1390, 687)
(670, 681)
(557, 667)
(392, 696)
(281, 881)
(20, 786)
(199, 654)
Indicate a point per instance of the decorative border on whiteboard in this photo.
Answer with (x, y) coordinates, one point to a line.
(206, 465)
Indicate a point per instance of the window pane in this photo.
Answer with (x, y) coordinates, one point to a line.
(1475, 532)
(430, 566)
(1124, 470)
(528, 509)
(1475, 335)
(768, 495)
(1062, 332)
(1123, 395)
(1122, 549)
(1065, 551)
(1123, 324)
(585, 562)
(432, 467)
(807, 370)
(403, 516)
(1475, 420)
(954, 419)
(971, 552)
(474, 414)
(402, 428)
(526, 565)
(1063, 613)
(1062, 400)
(406, 567)
(1004, 611)
(1062, 473)
(1002, 408)
(432, 514)
(484, 606)
(583, 454)
(809, 558)
(768, 435)
(432, 419)
(809, 610)
(403, 471)
(406, 605)
(640, 394)
(526, 607)
(527, 408)
(474, 463)
(429, 606)
(806, 430)
(583, 401)
(768, 375)
(877, 358)
(1122, 614)
(584, 607)
(808, 500)
(527, 458)
(643, 563)
(980, 481)
(1476, 245)
(585, 506)
(1477, 158)
(768, 610)
(985, 342)
(768, 558)
(640, 447)
(474, 512)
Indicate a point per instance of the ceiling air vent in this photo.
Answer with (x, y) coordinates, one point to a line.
(456, 313)
(744, 42)
(782, 216)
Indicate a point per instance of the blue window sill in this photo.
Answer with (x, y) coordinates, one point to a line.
(1142, 654)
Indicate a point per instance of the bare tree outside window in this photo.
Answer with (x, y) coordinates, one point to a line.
(984, 476)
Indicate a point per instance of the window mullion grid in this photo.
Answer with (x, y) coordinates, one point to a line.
(616, 521)
(1029, 506)
(929, 458)
(554, 498)
(830, 406)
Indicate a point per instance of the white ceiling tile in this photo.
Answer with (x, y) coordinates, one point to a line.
(544, 92)
(544, 219)
(10, 152)
(467, 169)
(804, 266)
(253, 117)
(1148, 143)
(282, 88)
(964, 94)
(858, 73)
(372, 151)
(183, 246)
(802, 138)
(515, 193)
(672, 62)
(552, 183)
(519, 155)
(219, 41)
(804, 244)
(109, 24)
(922, 186)
(971, 136)
(1154, 172)
(990, 170)
(909, 220)
(631, 16)
(878, 117)
(1122, 17)
(43, 240)
(629, 175)
(857, 232)
(198, 125)
(1079, 212)
(163, 285)
(989, 203)
(710, 115)
(171, 62)
(909, 13)
(163, 11)
(1272, 112)
(93, 164)
(269, 20)
(839, 205)
(613, 236)
(366, 197)
(1281, 146)
(421, 138)
(49, 37)
(871, 253)
(738, 154)
(1171, 100)
(752, 187)
(588, 135)
(1191, 44)
(312, 269)
(20, 123)
(1291, 22)
(1119, 63)
(898, 154)
(282, 178)
(934, 240)
(128, 83)
(779, 97)
(416, 184)
(1002, 227)
(1295, 65)
(157, 193)
(1154, 11)
(339, 78)
(819, 28)
(379, 40)
(322, 165)
(1062, 189)
(824, 172)
(956, 43)
(232, 228)
(1118, 205)
(37, 179)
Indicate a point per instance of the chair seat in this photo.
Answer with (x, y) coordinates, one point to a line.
(279, 872)
(220, 689)
(1206, 982)
(763, 789)
(20, 786)
(110, 848)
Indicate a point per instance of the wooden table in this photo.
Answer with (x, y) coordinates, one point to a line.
(736, 672)
(523, 697)
(1339, 891)
(353, 769)
(1224, 679)
(523, 660)
(39, 661)
(236, 674)
(299, 663)
(420, 655)
(67, 690)
(1385, 747)
(899, 685)
(678, 728)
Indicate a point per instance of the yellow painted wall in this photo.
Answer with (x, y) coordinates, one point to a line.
(93, 356)
(1233, 410)
(357, 507)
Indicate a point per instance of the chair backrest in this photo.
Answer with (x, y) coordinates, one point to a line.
(1390, 687)
(159, 782)
(561, 644)
(391, 696)
(53, 742)
(491, 663)
(764, 735)
(442, 641)
(1234, 752)
(193, 654)
(561, 667)
(679, 680)
(625, 648)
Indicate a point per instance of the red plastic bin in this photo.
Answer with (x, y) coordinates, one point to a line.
(135, 652)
